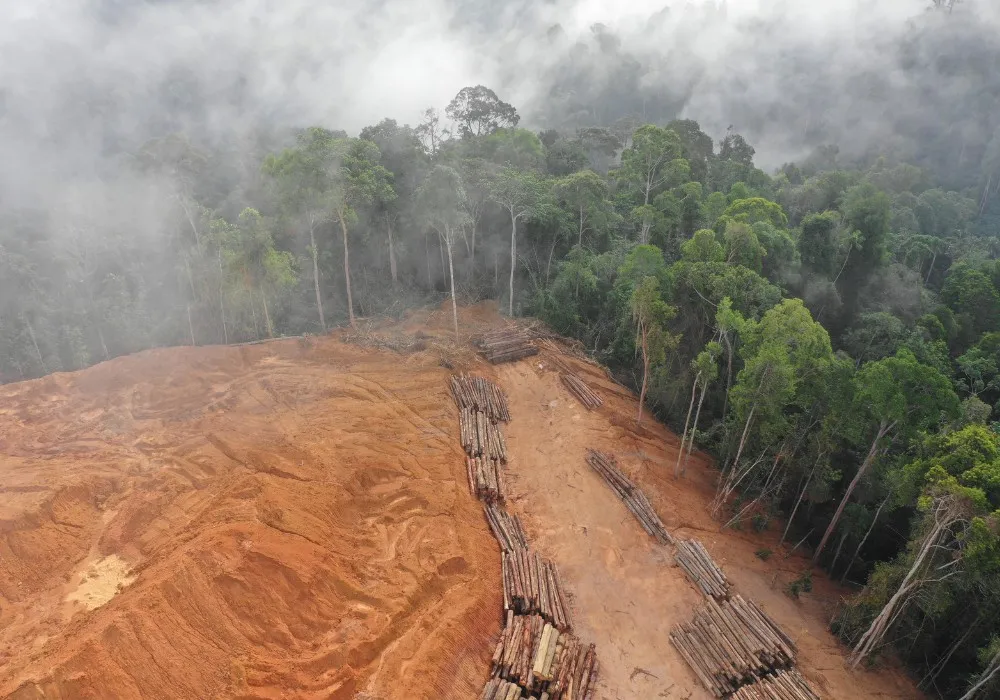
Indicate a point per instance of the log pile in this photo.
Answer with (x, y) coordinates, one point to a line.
(537, 657)
(633, 497)
(581, 391)
(732, 644)
(481, 437)
(692, 556)
(500, 689)
(532, 585)
(480, 394)
(506, 528)
(507, 346)
(784, 685)
(485, 479)
(544, 661)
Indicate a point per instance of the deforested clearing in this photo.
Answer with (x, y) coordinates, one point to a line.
(293, 519)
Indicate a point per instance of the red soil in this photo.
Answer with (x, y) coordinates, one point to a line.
(292, 520)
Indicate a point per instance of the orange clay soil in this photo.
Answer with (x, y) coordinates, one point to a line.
(292, 520)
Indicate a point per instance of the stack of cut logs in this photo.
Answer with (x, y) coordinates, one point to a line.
(481, 436)
(692, 556)
(506, 528)
(537, 657)
(485, 478)
(544, 661)
(581, 391)
(500, 689)
(532, 585)
(784, 685)
(732, 644)
(479, 394)
(633, 497)
(507, 346)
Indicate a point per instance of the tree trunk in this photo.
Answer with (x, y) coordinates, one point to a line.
(267, 315)
(347, 269)
(451, 275)
(645, 373)
(694, 428)
(34, 343)
(882, 430)
(548, 266)
(836, 554)
(582, 219)
(931, 268)
(427, 259)
(187, 213)
(798, 501)
(191, 325)
(880, 625)
(864, 539)
(513, 260)
(472, 254)
(104, 346)
(315, 259)
(222, 298)
(253, 314)
(687, 421)
(743, 438)
(392, 251)
(985, 677)
(729, 372)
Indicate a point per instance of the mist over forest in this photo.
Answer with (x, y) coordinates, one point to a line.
(778, 220)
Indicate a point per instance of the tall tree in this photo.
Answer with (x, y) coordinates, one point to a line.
(519, 194)
(441, 202)
(326, 177)
(584, 194)
(478, 111)
(650, 315)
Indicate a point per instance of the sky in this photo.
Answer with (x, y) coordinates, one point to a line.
(83, 79)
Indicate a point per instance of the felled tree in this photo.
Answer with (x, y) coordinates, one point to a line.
(896, 395)
(949, 510)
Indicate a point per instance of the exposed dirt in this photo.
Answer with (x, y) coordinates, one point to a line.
(291, 519)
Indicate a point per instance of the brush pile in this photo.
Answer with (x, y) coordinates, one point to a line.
(581, 391)
(531, 585)
(732, 644)
(506, 528)
(507, 346)
(784, 685)
(544, 661)
(633, 497)
(482, 395)
(485, 479)
(481, 437)
(692, 556)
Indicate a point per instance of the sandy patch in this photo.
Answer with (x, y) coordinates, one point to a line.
(101, 582)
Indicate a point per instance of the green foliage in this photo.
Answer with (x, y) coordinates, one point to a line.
(479, 112)
(763, 553)
(679, 270)
(703, 247)
(803, 584)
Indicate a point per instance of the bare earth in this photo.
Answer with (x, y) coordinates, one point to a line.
(292, 520)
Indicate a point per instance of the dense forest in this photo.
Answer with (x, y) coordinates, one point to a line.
(828, 329)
